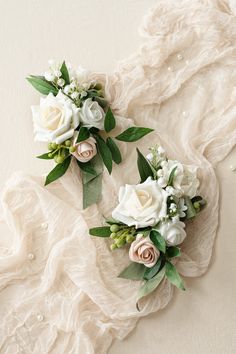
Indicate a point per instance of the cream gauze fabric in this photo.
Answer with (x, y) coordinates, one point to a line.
(65, 297)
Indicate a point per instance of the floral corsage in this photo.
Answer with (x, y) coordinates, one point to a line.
(71, 119)
(150, 218)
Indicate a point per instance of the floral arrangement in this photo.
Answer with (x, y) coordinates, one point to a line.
(74, 119)
(150, 218)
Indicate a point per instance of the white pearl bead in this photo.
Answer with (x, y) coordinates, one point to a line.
(170, 68)
(179, 57)
(187, 62)
(31, 256)
(44, 225)
(40, 317)
(184, 113)
(233, 167)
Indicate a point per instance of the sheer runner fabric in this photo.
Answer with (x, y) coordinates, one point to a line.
(59, 291)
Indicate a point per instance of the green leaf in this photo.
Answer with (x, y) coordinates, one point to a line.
(83, 134)
(151, 272)
(87, 167)
(103, 231)
(104, 152)
(109, 122)
(172, 252)
(58, 171)
(44, 157)
(41, 85)
(134, 271)
(115, 152)
(158, 240)
(190, 212)
(171, 176)
(133, 134)
(101, 101)
(92, 191)
(150, 285)
(65, 73)
(144, 168)
(173, 276)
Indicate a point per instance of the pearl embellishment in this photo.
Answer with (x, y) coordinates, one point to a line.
(44, 225)
(233, 167)
(40, 317)
(170, 68)
(31, 256)
(179, 57)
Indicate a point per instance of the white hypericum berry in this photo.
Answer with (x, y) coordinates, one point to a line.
(162, 182)
(74, 95)
(149, 157)
(170, 190)
(61, 82)
(163, 163)
(73, 85)
(67, 89)
(160, 173)
(57, 73)
(49, 76)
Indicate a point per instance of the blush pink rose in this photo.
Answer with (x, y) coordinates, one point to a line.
(85, 150)
(142, 250)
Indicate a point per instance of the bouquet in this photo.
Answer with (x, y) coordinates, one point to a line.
(74, 119)
(150, 219)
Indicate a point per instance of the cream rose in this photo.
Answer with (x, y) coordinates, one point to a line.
(91, 114)
(55, 119)
(141, 205)
(85, 150)
(173, 232)
(142, 250)
(185, 180)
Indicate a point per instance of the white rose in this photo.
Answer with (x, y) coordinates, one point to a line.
(92, 115)
(143, 251)
(141, 205)
(85, 150)
(55, 119)
(173, 232)
(185, 180)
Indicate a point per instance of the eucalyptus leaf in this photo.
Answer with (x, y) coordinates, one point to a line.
(104, 152)
(45, 156)
(65, 73)
(151, 272)
(134, 271)
(158, 240)
(133, 134)
(150, 285)
(172, 252)
(173, 276)
(190, 212)
(171, 176)
(103, 231)
(58, 171)
(144, 168)
(42, 85)
(115, 152)
(83, 134)
(109, 121)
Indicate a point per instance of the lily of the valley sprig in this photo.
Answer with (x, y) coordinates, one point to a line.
(70, 119)
(150, 219)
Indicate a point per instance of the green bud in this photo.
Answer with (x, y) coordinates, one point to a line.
(120, 242)
(60, 159)
(113, 246)
(54, 146)
(196, 205)
(50, 154)
(130, 238)
(55, 158)
(113, 235)
(114, 228)
(67, 143)
(72, 149)
(98, 86)
(50, 146)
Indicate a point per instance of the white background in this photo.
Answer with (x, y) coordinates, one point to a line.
(97, 34)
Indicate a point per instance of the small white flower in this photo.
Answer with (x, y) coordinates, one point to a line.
(74, 95)
(162, 182)
(67, 89)
(160, 173)
(73, 85)
(149, 156)
(61, 82)
(170, 190)
(160, 150)
(57, 73)
(163, 163)
(49, 76)
(173, 232)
